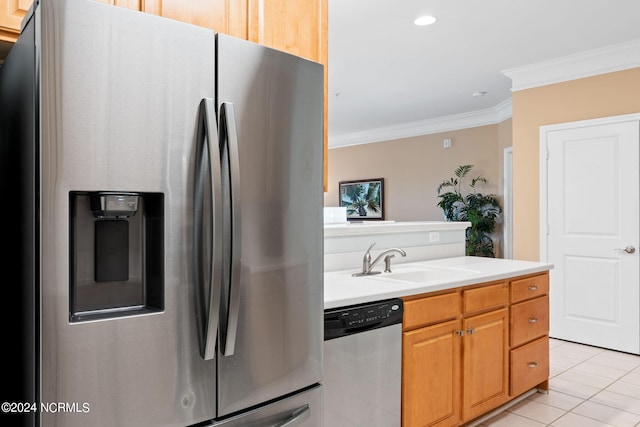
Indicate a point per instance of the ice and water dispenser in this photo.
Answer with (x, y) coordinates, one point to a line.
(116, 254)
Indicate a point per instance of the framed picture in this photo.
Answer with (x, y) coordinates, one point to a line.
(364, 198)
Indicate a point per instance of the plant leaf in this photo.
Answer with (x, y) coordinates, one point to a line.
(481, 210)
(463, 170)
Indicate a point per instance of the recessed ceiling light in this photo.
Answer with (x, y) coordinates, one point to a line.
(483, 93)
(425, 20)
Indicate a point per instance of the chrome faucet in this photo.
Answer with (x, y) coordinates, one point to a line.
(367, 264)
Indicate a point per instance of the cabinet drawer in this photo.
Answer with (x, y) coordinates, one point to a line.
(529, 320)
(529, 366)
(486, 297)
(530, 287)
(431, 310)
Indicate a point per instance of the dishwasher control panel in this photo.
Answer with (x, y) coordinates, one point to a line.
(367, 315)
(353, 319)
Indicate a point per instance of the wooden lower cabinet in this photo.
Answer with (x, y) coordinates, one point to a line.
(486, 363)
(443, 362)
(529, 366)
(427, 311)
(469, 350)
(431, 376)
(529, 320)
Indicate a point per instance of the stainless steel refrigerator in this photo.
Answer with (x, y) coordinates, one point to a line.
(162, 190)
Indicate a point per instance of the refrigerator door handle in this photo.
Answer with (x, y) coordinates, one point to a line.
(207, 137)
(297, 417)
(230, 136)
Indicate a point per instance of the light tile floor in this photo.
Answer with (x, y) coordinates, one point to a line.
(589, 387)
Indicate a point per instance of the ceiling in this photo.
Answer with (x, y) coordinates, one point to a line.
(387, 74)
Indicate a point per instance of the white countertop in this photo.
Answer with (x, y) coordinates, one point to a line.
(341, 289)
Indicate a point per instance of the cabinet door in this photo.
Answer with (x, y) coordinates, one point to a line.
(485, 355)
(11, 14)
(431, 376)
(223, 16)
(128, 4)
(297, 27)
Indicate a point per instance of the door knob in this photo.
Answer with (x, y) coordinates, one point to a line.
(629, 249)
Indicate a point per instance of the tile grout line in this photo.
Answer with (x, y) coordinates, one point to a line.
(588, 399)
(601, 389)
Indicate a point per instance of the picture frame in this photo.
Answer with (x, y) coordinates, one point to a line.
(363, 198)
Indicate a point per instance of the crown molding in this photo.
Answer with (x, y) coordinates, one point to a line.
(609, 59)
(488, 116)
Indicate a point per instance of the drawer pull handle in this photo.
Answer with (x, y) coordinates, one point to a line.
(459, 332)
(533, 320)
(532, 364)
(471, 331)
(533, 288)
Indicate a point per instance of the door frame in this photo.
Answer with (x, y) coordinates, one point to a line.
(543, 156)
(507, 217)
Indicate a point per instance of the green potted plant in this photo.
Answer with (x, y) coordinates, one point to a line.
(481, 210)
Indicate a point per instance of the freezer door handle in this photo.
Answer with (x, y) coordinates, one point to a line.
(231, 162)
(297, 417)
(208, 308)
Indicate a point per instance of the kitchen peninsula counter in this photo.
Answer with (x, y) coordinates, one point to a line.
(474, 332)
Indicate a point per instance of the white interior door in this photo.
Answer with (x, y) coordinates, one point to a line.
(592, 212)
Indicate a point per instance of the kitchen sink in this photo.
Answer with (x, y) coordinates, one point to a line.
(425, 274)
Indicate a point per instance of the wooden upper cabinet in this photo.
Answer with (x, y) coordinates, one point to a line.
(13, 11)
(11, 14)
(294, 26)
(128, 4)
(223, 16)
(298, 27)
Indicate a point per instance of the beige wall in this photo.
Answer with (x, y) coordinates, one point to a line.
(606, 95)
(414, 167)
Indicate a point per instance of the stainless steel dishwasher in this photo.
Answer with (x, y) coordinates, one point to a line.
(363, 365)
